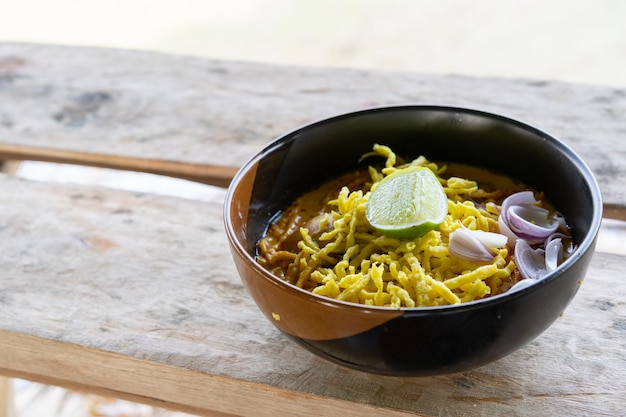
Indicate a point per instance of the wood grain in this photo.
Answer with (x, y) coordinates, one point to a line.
(132, 295)
(6, 397)
(191, 392)
(135, 295)
(203, 173)
(200, 111)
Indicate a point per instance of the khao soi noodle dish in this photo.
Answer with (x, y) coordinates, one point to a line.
(493, 235)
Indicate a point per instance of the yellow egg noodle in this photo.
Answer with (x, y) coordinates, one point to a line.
(353, 262)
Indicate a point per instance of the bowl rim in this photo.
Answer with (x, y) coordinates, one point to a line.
(588, 242)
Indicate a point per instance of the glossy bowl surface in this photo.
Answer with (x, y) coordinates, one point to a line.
(417, 341)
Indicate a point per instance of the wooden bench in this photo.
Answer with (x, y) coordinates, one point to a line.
(134, 295)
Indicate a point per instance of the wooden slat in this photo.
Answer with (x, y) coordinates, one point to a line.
(6, 397)
(155, 106)
(134, 379)
(206, 174)
(612, 211)
(140, 286)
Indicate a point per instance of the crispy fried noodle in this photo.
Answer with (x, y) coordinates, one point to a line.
(339, 255)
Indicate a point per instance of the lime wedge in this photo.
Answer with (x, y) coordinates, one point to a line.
(407, 203)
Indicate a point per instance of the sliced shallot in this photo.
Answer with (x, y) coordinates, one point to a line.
(521, 218)
(531, 221)
(533, 233)
(554, 254)
(530, 262)
(474, 245)
(490, 239)
(534, 264)
(522, 284)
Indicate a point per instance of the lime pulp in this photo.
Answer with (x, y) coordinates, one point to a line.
(407, 203)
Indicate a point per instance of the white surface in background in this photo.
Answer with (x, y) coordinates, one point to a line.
(37, 400)
(569, 40)
(122, 180)
(612, 237)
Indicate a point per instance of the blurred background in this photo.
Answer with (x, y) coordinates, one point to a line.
(580, 41)
(570, 40)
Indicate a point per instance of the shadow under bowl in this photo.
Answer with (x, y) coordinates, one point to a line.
(412, 341)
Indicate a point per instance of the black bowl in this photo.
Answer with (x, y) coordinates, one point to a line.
(412, 341)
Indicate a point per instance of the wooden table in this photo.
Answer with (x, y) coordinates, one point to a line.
(134, 295)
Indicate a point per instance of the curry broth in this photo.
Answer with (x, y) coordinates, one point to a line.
(278, 250)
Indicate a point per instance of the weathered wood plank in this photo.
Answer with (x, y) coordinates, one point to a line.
(156, 106)
(203, 173)
(6, 397)
(141, 285)
(134, 379)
